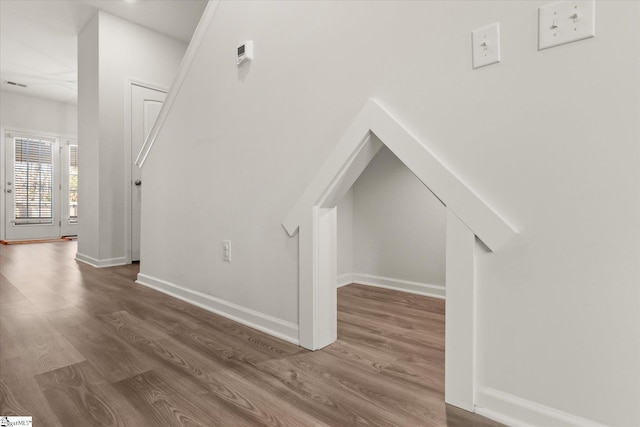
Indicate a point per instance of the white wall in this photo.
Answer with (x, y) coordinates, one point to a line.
(40, 115)
(27, 113)
(399, 226)
(549, 138)
(345, 239)
(89, 133)
(116, 50)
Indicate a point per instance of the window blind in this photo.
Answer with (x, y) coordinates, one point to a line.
(33, 181)
(73, 184)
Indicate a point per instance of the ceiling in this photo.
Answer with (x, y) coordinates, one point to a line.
(38, 38)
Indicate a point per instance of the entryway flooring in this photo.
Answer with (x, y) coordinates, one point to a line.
(81, 346)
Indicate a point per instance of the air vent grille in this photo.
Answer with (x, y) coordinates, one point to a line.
(15, 84)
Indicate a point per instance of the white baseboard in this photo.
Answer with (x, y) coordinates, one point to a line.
(279, 328)
(344, 280)
(426, 289)
(100, 263)
(517, 412)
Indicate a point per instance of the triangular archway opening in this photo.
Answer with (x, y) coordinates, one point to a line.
(468, 217)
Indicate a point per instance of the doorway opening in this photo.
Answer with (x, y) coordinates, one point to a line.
(392, 231)
(144, 102)
(41, 186)
(469, 221)
(391, 237)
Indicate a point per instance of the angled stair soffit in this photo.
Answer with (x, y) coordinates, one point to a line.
(192, 50)
(373, 127)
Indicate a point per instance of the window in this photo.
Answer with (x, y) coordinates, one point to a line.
(73, 184)
(33, 178)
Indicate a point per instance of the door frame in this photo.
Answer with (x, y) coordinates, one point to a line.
(129, 161)
(472, 226)
(66, 228)
(3, 141)
(318, 253)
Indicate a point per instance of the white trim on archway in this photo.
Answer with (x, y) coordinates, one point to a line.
(468, 217)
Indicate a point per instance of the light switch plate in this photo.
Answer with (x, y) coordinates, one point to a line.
(486, 45)
(565, 22)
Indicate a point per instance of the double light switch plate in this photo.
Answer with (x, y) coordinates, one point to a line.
(565, 22)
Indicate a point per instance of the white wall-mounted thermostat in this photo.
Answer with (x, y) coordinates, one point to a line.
(245, 52)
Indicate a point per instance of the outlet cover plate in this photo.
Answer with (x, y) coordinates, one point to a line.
(226, 250)
(565, 22)
(486, 45)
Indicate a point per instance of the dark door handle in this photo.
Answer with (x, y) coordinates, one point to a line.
(138, 182)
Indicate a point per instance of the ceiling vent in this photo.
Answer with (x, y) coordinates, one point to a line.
(15, 84)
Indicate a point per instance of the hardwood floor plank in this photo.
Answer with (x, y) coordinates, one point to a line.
(131, 327)
(423, 333)
(26, 321)
(249, 365)
(408, 373)
(258, 342)
(217, 346)
(385, 310)
(44, 296)
(247, 346)
(378, 389)
(398, 299)
(9, 294)
(216, 378)
(155, 315)
(20, 394)
(366, 338)
(81, 346)
(112, 357)
(338, 404)
(46, 352)
(81, 397)
(163, 403)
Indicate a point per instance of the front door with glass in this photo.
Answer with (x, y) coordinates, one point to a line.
(36, 201)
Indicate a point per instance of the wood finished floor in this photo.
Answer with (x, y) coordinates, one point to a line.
(87, 347)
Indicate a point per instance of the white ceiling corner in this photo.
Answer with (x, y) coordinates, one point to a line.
(38, 38)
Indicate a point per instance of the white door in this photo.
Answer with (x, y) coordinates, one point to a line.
(32, 187)
(145, 106)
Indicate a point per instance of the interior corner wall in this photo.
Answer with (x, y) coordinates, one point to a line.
(345, 238)
(39, 115)
(399, 226)
(112, 50)
(20, 112)
(548, 138)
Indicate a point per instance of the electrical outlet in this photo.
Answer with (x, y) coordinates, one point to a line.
(226, 250)
(565, 22)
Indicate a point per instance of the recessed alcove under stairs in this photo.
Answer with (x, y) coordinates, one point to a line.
(314, 219)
